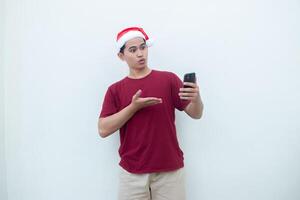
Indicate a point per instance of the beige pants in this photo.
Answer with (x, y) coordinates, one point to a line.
(155, 186)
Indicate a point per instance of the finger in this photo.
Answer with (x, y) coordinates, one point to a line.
(187, 98)
(138, 94)
(186, 89)
(153, 101)
(190, 84)
(151, 98)
(187, 94)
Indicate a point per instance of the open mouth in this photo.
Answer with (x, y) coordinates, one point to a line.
(142, 61)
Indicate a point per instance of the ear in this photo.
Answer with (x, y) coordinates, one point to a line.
(121, 56)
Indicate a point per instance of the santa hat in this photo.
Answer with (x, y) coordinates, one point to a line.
(130, 33)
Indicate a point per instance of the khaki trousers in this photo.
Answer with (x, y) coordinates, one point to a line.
(152, 186)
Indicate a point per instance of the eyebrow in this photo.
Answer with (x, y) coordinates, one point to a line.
(136, 46)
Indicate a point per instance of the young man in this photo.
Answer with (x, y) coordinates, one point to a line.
(142, 105)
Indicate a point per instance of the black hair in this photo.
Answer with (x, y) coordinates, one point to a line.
(122, 49)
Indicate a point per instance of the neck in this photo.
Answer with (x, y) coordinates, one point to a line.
(139, 73)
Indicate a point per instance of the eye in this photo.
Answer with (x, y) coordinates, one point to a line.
(132, 50)
(143, 46)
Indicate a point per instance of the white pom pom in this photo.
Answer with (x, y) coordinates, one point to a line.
(149, 42)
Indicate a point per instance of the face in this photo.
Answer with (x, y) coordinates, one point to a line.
(135, 53)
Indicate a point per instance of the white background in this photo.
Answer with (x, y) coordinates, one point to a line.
(57, 60)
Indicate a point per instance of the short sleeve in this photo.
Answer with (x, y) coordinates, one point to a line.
(176, 85)
(109, 105)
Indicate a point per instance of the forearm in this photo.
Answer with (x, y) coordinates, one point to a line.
(110, 124)
(195, 108)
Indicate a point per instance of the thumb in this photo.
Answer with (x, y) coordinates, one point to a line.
(138, 94)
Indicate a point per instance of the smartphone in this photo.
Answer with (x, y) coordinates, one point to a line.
(189, 77)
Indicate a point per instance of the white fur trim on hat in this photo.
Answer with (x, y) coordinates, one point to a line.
(128, 36)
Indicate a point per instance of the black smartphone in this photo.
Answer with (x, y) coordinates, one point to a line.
(189, 77)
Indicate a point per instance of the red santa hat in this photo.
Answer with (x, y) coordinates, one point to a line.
(130, 33)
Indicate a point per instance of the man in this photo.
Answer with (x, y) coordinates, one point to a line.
(142, 106)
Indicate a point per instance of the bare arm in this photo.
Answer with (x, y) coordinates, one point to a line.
(110, 124)
(195, 108)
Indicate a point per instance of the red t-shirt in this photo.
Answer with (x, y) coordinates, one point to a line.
(148, 140)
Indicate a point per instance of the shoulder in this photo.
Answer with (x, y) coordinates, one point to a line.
(171, 77)
(166, 74)
(114, 87)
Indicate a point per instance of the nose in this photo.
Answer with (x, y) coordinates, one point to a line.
(139, 53)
